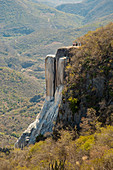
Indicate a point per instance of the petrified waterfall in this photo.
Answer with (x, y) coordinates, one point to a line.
(54, 75)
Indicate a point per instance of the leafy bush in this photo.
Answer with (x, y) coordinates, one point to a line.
(73, 104)
(85, 142)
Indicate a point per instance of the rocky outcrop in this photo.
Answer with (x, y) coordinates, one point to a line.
(54, 75)
(50, 71)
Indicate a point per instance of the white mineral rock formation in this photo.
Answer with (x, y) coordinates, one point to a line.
(54, 75)
(50, 71)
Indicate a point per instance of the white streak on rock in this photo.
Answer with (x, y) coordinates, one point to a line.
(48, 115)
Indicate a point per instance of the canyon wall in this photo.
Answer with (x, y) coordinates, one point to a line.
(54, 76)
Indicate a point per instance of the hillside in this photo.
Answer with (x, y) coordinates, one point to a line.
(88, 91)
(91, 10)
(89, 81)
(23, 36)
(20, 99)
(30, 17)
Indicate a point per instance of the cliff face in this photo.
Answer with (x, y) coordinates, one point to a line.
(54, 75)
(88, 92)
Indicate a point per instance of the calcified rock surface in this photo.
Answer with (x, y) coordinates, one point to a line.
(54, 75)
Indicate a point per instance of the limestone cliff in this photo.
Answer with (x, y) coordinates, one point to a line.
(54, 75)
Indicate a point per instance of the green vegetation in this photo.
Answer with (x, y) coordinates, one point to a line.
(68, 152)
(17, 107)
(90, 76)
(73, 104)
(90, 10)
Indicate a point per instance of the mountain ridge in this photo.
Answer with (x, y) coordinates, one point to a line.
(91, 10)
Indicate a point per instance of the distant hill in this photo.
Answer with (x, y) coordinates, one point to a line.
(91, 10)
(27, 26)
(19, 17)
(30, 30)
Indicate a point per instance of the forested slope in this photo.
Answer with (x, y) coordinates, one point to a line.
(91, 10)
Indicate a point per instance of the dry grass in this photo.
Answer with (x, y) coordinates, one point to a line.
(65, 153)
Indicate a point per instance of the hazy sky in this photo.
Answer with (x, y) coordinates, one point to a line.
(57, 2)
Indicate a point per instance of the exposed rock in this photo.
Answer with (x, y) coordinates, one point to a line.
(43, 123)
(60, 74)
(61, 53)
(50, 71)
(54, 74)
